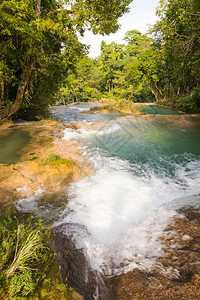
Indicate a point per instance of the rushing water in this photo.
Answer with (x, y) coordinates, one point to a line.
(12, 140)
(143, 167)
(79, 113)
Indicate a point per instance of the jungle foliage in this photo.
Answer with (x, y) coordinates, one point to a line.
(163, 65)
(28, 269)
(39, 45)
(43, 63)
(25, 256)
(115, 74)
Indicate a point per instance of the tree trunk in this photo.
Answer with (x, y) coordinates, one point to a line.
(155, 93)
(21, 89)
(2, 90)
(38, 8)
(26, 74)
(76, 98)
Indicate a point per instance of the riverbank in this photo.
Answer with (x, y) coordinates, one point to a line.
(47, 163)
(123, 106)
(129, 107)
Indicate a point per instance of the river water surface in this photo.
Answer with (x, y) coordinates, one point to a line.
(145, 167)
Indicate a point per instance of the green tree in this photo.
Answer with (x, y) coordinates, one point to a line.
(178, 32)
(136, 42)
(81, 84)
(39, 44)
(137, 82)
(111, 62)
(150, 64)
(196, 4)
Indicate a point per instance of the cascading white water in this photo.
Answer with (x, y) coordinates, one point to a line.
(141, 169)
(124, 214)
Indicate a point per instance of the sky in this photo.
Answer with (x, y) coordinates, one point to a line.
(141, 15)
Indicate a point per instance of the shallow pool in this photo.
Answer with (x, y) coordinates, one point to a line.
(12, 140)
(156, 110)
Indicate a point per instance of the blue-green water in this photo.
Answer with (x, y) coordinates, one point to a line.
(151, 144)
(142, 166)
(156, 110)
(12, 140)
(76, 113)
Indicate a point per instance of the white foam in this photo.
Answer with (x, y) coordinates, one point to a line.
(84, 133)
(23, 189)
(123, 213)
(29, 204)
(124, 208)
(83, 106)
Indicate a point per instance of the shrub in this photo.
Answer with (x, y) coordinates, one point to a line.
(55, 160)
(25, 256)
(190, 103)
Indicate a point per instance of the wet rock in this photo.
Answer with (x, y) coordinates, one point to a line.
(176, 275)
(75, 268)
(24, 178)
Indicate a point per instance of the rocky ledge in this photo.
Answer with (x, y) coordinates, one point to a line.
(47, 162)
(175, 275)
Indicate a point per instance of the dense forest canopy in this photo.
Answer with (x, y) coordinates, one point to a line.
(39, 44)
(42, 61)
(163, 66)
